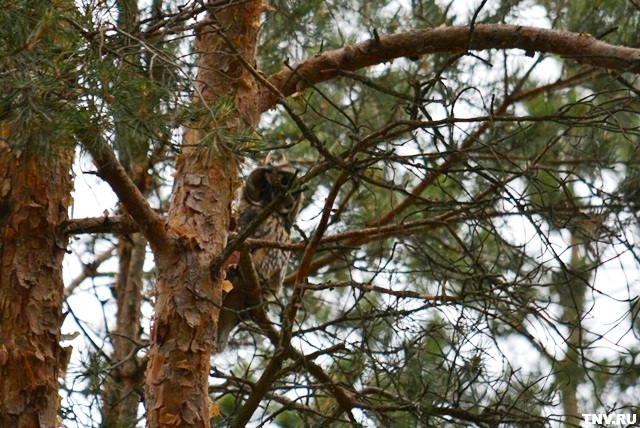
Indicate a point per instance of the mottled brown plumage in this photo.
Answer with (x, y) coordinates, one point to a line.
(263, 185)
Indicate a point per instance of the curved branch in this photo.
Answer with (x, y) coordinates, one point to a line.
(580, 47)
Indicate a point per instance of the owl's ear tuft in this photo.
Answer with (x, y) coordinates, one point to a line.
(276, 158)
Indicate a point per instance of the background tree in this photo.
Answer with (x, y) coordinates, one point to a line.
(37, 75)
(466, 255)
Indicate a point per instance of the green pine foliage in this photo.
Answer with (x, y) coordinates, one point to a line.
(38, 75)
(551, 173)
(477, 304)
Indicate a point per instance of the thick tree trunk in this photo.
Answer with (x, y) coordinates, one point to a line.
(35, 196)
(188, 297)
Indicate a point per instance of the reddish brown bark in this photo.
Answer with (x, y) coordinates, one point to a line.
(183, 333)
(578, 46)
(34, 197)
(150, 223)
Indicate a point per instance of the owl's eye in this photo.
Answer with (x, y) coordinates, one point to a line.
(264, 184)
(286, 178)
(257, 187)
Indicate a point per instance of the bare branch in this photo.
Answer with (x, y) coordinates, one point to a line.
(111, 170)
(118, 224)
(89, 270)
(580, 47)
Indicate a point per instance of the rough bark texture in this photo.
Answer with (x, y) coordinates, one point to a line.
(34, 198)
(188, 297)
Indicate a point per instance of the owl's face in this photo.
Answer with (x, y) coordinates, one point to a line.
(262, 186)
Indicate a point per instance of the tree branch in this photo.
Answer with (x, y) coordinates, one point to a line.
(580, 47)
(111, 170)
(117, 224)
(89, 270)
(450, 161)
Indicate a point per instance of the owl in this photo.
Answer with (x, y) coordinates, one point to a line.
(261, 187)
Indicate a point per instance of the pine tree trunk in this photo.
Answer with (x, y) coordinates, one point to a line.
(121, 395)
(188, 297)
(35, 196)
(121, 392)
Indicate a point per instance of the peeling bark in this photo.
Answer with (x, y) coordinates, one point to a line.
(35, 197)
(188, 298)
